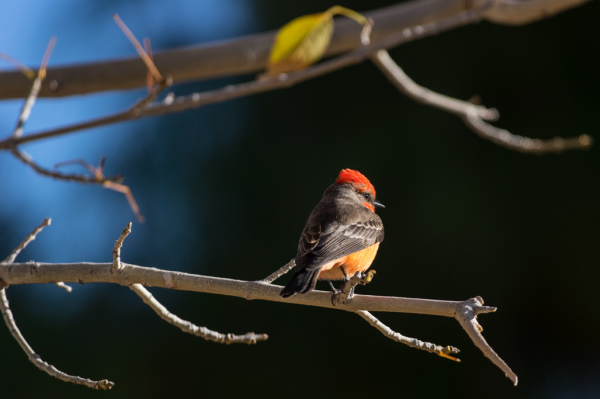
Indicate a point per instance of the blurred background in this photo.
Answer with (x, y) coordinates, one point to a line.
(226, 190)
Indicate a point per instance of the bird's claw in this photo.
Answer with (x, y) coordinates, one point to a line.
(366, 278)
(340, 297)
(344, 295)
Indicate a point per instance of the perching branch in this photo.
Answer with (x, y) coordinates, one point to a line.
(473, 115)
(136, 277)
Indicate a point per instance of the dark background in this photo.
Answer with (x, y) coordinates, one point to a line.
(226, 190)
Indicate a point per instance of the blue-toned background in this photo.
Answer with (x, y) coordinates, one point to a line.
(227, 188)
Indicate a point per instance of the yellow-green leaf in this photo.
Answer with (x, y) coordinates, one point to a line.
(304, 40)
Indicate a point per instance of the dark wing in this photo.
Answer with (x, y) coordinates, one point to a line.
(322, 244)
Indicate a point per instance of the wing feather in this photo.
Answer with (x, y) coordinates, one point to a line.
(322, 244)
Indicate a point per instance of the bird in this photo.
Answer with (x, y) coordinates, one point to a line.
(342, 234)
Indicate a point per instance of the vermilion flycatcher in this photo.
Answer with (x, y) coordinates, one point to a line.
(341, 236)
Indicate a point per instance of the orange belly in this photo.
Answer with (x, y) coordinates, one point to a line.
(357, 262)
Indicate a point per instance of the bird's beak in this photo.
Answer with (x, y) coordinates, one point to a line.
(378, 204)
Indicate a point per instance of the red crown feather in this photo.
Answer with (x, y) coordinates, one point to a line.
(357, 179)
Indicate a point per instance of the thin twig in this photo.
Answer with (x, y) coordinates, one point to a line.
(279, 272)
(116, 266)
(24, 69)
(407, 86)
(163, 312)
(443, 351)
(189, 327)
(149, 76)
(524, 144)
(35, 89)
(140, 50)
(126, 191)
(36, 359)
(467, 317)
(28, 160)
(97, 173)
(473, 115)
(30, 237)
(111, 183)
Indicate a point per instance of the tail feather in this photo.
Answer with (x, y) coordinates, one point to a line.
(303, 281)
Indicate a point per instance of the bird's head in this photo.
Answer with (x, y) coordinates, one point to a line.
(361, 186)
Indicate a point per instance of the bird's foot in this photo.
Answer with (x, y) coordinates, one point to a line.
(344, 295)
(340, 297)
(365, 278)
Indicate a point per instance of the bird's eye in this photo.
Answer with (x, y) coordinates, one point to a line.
(367, 196)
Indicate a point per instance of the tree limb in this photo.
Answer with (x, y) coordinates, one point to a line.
(248, 55)
(135, 277)
(41, 273)
(173, 104)
(474, 116)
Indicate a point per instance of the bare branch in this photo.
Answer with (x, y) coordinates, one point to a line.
(423, 95)
(282, 81)
(474, 115)
(29, 273)
(443, 351)
(163, 312)
(116, 266)
(190, 328)
(24, 69)
(86, 272)
(16, 333)
(467, 317)
(30, 237)
(524, 144)
(149, 76)
(28, 160)
(36, 359)
(140, 50)
(35, 89)
(280, 272)
(249, 54)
